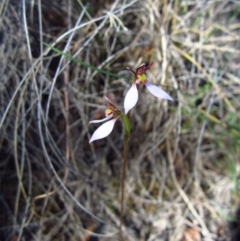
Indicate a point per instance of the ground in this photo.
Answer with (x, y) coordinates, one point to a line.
(58, 61)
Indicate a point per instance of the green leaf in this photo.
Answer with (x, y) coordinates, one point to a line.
(82, 63)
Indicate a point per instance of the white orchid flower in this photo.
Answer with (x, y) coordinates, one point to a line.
(112, 114)
(140, 78)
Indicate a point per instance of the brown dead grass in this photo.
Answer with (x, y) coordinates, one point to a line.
(183, 156)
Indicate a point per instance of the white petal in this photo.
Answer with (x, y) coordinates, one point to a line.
(158, 92)
(131, 98)
(98, 121)
(103, 130)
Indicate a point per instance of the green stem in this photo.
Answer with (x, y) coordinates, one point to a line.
(125, 153)
(126, 123)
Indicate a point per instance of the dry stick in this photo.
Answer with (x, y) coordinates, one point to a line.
(206, 232)
(210, 79)
(165, 13)
(174, 15)
(19, 168)
(66, 100)
(125, 153)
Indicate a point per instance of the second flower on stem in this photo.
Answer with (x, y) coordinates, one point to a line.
(140, 78)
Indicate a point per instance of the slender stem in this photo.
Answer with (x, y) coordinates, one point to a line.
(125, 153)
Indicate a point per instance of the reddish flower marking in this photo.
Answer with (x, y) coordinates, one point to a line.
(140, 78)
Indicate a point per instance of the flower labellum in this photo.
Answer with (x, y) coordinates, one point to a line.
(140, 78)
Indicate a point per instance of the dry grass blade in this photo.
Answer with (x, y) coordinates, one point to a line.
(182, 178)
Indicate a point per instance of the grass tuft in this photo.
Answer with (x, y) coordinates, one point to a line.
(59, 59)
